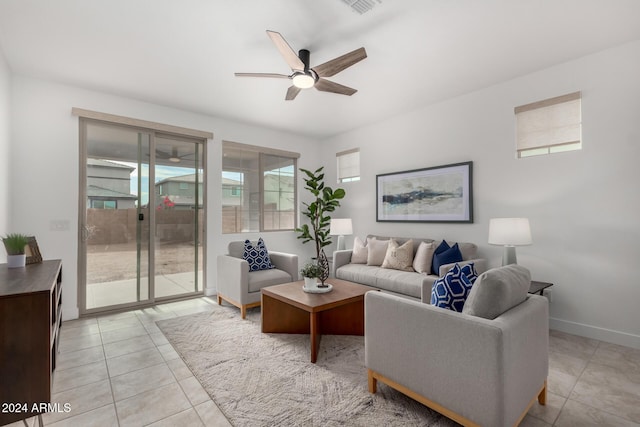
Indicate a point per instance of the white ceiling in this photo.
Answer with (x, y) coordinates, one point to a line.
(183, 53)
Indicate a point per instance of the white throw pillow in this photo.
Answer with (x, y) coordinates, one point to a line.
(377, 251)
(360, 252)
(399, 257)
(423, 258)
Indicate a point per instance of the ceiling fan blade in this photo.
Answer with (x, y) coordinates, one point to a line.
(292, 92)
(338, 64)
(289, 55)
(273, 75)
(325, 85)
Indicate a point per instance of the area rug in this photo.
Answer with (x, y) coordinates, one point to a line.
(261, 379)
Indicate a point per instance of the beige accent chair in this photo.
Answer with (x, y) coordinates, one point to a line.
(240, 287)
(485, 366)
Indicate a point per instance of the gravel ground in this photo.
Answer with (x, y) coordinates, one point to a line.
(107, 263)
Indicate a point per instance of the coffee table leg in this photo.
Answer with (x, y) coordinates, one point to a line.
(314, 335)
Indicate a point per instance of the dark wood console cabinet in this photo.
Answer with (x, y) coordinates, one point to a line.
(30, 319)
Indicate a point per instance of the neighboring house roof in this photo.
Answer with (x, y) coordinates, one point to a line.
(95, 191)
(182, 178)
(229, 181)
(107, 164)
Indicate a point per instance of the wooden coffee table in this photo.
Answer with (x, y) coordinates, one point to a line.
(290, 310)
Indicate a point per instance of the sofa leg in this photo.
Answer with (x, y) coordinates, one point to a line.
(373, 383)
(219, 300)
(243, 311)
(542, 397)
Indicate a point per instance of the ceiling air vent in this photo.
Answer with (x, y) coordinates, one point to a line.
(361, 6)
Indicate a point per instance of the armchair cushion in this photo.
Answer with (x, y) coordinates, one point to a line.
(262, 278)
(257, 256)
(498, 290)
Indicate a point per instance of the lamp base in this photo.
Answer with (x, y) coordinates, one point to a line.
(341, 243)
(509, 255)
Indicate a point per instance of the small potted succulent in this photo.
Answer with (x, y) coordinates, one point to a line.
(311, 271)
(15, 245)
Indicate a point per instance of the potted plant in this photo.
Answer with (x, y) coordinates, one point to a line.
(326, 200)
(15, 245)
(311, 271)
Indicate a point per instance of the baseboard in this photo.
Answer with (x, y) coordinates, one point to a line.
(602, 334)
(210, 292)
(70, 313)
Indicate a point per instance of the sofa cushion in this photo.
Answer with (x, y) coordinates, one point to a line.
(498, 290)
(399, 257)
(400, 282)
(260, 279)
(377, 249)
(360, 252)
(424, 257)
(257, 256)
(446, 256)
(451, 291)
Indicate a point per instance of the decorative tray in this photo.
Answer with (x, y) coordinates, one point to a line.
(317, 290)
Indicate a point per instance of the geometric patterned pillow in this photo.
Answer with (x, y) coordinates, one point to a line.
(257, 256)
(452, 290)
(469, 270)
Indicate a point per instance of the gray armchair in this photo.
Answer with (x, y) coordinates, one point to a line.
(240, 287)
(485, 366)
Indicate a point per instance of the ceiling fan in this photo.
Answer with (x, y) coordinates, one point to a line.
(172, 157)
(305, 77)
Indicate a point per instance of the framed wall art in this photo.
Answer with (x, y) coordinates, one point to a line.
(435, 194)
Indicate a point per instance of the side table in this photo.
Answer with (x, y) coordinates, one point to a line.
(538, 287)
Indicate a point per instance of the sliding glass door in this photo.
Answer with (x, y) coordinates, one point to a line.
(141, 216)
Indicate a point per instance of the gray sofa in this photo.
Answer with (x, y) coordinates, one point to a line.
(404, 283)
(485, 366)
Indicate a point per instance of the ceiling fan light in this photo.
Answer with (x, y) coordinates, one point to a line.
(174, 159)
(303, 81)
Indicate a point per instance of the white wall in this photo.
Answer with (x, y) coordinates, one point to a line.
(5, 136)
(45, 141)
(583, 206)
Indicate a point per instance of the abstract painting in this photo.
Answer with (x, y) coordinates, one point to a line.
(435, 194)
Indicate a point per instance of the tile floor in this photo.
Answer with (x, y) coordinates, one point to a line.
(119, 370)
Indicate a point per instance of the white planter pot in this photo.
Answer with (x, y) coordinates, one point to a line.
(16, 261)
(310, 282)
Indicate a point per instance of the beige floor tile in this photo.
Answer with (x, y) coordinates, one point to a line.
(133, 361)
(123, 334)
(575, 414)
(152, 406)
(609, 389)
(549, 412)
(167, 351)
(141, 380)
(188, 418)
(131, 345)
(616, 356)
(79, 322)
(211, 415)
(179, 369)
(112, 325)
(101, 417)
(159, 339)
(117, 316)
(572, 345)
(74, 359)
(194, 391)
(81, 330)
(79, 376)
(79, 343)
(530, 421)
(80, 399)
(560, 383)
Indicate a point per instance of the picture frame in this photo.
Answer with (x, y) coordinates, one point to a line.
(32, 251)
(434, 194)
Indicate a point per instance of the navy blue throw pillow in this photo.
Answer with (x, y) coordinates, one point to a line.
(257, 256)
(452, 290)
(449, 256)
(443, 246)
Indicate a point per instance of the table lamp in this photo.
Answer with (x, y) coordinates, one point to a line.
(341, 227)
(510, 232)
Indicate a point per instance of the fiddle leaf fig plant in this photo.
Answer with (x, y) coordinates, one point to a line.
(326, 201)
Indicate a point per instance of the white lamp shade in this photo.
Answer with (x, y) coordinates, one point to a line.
(341, 227)
(509, 231)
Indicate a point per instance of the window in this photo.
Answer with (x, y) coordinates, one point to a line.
(258, 188)
(104, 204)
(550, 126)
(348, 165)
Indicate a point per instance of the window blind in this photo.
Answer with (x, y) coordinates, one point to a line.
(348, 165)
